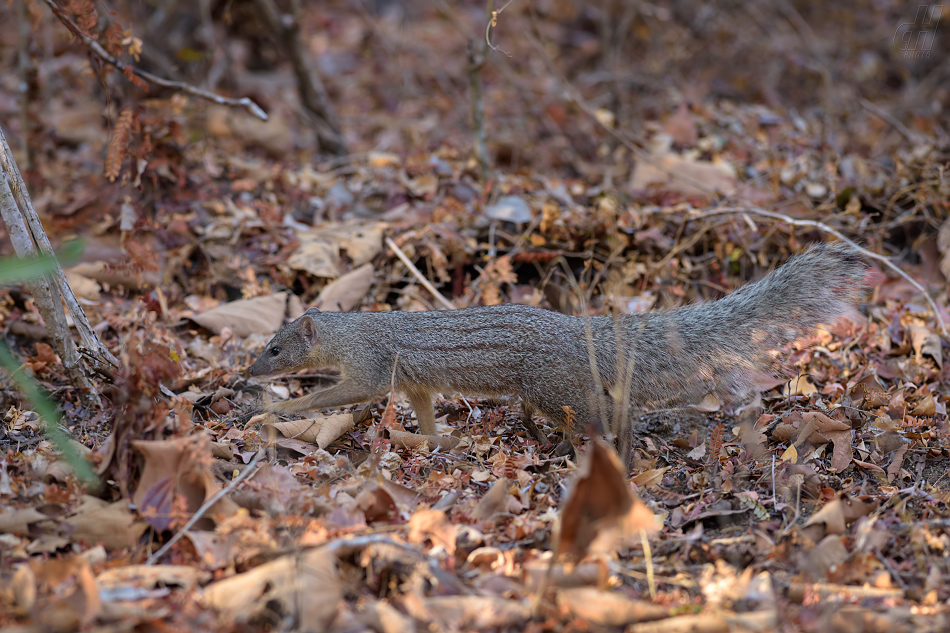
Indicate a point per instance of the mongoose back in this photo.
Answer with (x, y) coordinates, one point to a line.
(664, 356)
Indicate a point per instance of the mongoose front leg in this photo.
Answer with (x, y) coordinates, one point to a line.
(421, 402)
(340, 394)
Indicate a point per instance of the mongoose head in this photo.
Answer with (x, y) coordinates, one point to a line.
(290, 349)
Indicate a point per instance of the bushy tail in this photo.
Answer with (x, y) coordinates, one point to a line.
(726, 346)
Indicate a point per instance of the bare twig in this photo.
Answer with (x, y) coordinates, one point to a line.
(23, 79)
(882, 114)
(476, 62)
(313, 95)
(609, 129)
(415, 271)
(492, 23)
(207, 505)
(101, 53)
(821, 226)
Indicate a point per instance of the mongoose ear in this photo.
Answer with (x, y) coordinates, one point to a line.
(308, 330)
(312, 311)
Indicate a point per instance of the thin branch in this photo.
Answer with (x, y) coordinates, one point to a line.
(317, 105)
(821, 226)
(493, 22)
(207, 505)
(609, 129)
(415, 271)
(882, 114)
(101, 53)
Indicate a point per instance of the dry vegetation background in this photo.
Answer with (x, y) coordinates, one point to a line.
(657, 153)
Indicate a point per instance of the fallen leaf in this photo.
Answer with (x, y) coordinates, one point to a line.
(600, 504)
(345, 293)
(927, 343)
(608, 608)
(112, 524)
(260, 315)
(322, 430)
(303, 586)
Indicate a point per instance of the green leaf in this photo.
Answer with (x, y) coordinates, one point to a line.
(17, 269)
(42, 405)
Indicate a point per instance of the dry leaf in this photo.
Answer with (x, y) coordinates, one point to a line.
(600, 503)
(260, 315)
(111, 524)
(608, 608)
(406, 440)
(650, 478)
(345, 293)
(322, 430)
(304, 586)
(435, 526)
(926, 342)
(495, 500)
(173, 469)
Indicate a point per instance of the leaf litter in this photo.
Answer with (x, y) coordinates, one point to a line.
(822, 506)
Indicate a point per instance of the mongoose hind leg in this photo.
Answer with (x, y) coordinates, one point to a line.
(526, 412)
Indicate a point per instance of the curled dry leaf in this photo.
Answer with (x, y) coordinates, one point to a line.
(477, 613)
(320, 250)
(111, 524)
(321, 430)
(435, 526)
(600, 504)
(495, 500)
(345, 293)
(835, 516)
(260, 315)
(177, 469)
(608, 608)
(152, 576)
(406, 440)
(304, 586)
(926, 342)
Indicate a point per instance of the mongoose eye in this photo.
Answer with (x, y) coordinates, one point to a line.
(274, 351)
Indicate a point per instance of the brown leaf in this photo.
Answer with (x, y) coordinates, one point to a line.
(176, 468)
(111, 524)
(926, 342)
(304, 586)
(321, 430)
(376, 504)
(495, 500)
(404, 439)
(608, 608)
(477, 613)
(345, 293)
(650, 478)
(435, 526)
(260, 315)
(600, 502)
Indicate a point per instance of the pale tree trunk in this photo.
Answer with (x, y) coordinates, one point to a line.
(52, 291)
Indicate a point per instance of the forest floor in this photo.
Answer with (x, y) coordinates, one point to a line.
(642, 159)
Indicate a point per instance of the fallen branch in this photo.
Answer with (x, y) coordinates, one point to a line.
(101, 53)
(415, 271)
(821, 226)
(313, 95)
(207, 505)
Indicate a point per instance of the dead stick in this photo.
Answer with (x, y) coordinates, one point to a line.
(204, 508)
(833, 231)
(415, 271)
(181, 86)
